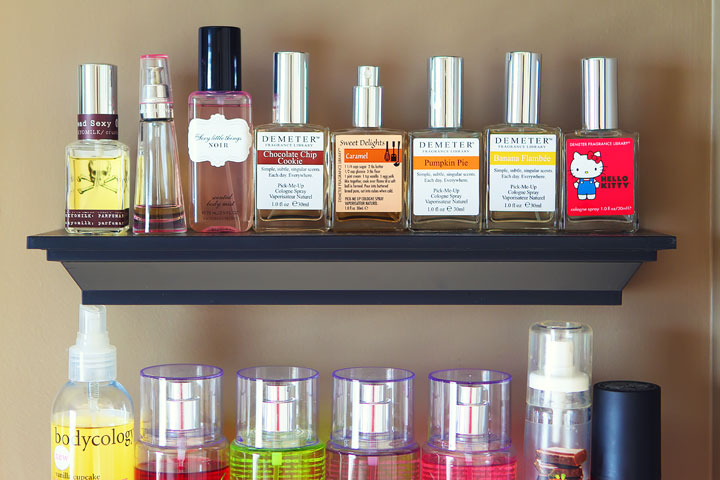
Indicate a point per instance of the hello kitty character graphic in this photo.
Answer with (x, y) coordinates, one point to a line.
(586, 168)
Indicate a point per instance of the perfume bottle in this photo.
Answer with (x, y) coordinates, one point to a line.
(158, 194)
(557, 419)
(600, 160)
(181, 424)
(292, 162)
(97, 192)
(220, 137)
(372, 429)
(522, 174)
(92, 415)
(469, 436)
(445, 159)
(277, 418)
(370, 166)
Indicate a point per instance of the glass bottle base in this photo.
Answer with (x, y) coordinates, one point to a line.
(445, 224)
(167, 219)
(97, 231)
(381, 222)
(606, 224)
(291, 221)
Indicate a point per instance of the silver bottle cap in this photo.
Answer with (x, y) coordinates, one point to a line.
(290, 87)
(367, 98)
(472, 410)
(599, 91)
(374, 409)
(445, 77)
(278, 408)
(182, 407)
(97, 89)
(522, 87)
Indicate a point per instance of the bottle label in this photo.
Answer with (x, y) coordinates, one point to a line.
(97, 218)
(97, 126)
(368, 173)
(557, 451)
(290, 171)
(218, 140)
(600, 176)
(446, 176)
(522, 172)
(102, 453)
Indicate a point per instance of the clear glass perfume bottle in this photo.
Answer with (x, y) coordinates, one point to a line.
(97, 164)
(469, 437)
(372, 435)
(444, 181)
(557, 419)
(181, 424)
(277, 421)
(292, 161)
(370, 165)
(521, 156)
(600, 160)
(220, 137)
(158, 193)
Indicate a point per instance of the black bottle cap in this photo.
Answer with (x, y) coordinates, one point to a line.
(219, 59)
(626, 431)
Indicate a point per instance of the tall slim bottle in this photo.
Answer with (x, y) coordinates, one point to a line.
(372, 430)
(469, 437)
(220, 137)
(600, 160)
(277, 421)
(370, 165)
(445, 159)
(521, 156)
(292, 161)
(98, 165)
(557, 420)
(158, 193)
(181, 434)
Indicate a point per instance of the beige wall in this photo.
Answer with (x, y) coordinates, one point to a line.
(660, 334)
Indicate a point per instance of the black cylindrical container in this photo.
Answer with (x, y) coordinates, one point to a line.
(219, 59)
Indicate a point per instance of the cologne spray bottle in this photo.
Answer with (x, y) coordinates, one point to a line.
(469, 436)
(220, 137)
(600, 160)
(277, 418)
(372, 429)
(557, 419)
(521, 156)
(97, 191)
(445, 159)
(158, 193)
(92, 415)
(370, 166)
(292, 162)
(181, 434)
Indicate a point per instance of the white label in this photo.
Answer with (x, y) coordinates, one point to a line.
(522, 172)
(446, 176)
(290, 171)
(218, 140)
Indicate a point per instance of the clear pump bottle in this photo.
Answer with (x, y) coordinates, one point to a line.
(181, 424)
(159, 204)
(469, 437)
(372, 434)
(276, 426)
(92, 415)
(557, 420)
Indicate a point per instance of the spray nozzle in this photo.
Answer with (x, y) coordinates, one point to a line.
(367, 98)
(560, 357)
(368, 76)
(92, 358)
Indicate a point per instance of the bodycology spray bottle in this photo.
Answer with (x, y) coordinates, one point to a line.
(181, 424)
(92, 416)
(372, 431)
(469, 436)
(557, 421)
(277, 418)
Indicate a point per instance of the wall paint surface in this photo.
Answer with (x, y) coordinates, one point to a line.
(660, 334)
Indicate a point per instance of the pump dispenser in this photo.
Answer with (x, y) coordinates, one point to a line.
(557, 422)
(372, 430)
(92, 404)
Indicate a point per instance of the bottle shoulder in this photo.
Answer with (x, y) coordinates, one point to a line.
(445, 133)
(109, 398)
(612, 133)
(229, 98)
(376, 131)
(96, 146)
(510, 128)
(292, 127)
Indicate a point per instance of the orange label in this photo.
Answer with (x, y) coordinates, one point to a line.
(450, 163)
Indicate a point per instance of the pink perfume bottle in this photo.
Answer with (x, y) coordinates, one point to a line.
(469, 436)
(220, 137)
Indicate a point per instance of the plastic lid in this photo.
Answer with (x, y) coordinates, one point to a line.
(219, 58)
(92, 358)
(560, 357)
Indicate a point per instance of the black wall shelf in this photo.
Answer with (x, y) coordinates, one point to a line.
(332, 269)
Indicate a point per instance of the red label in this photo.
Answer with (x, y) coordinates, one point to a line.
(291, 157)
(97, 218)
(97, 126)
(600, 176)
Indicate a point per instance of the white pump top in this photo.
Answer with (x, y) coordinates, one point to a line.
(557, 369)
(92, 358)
